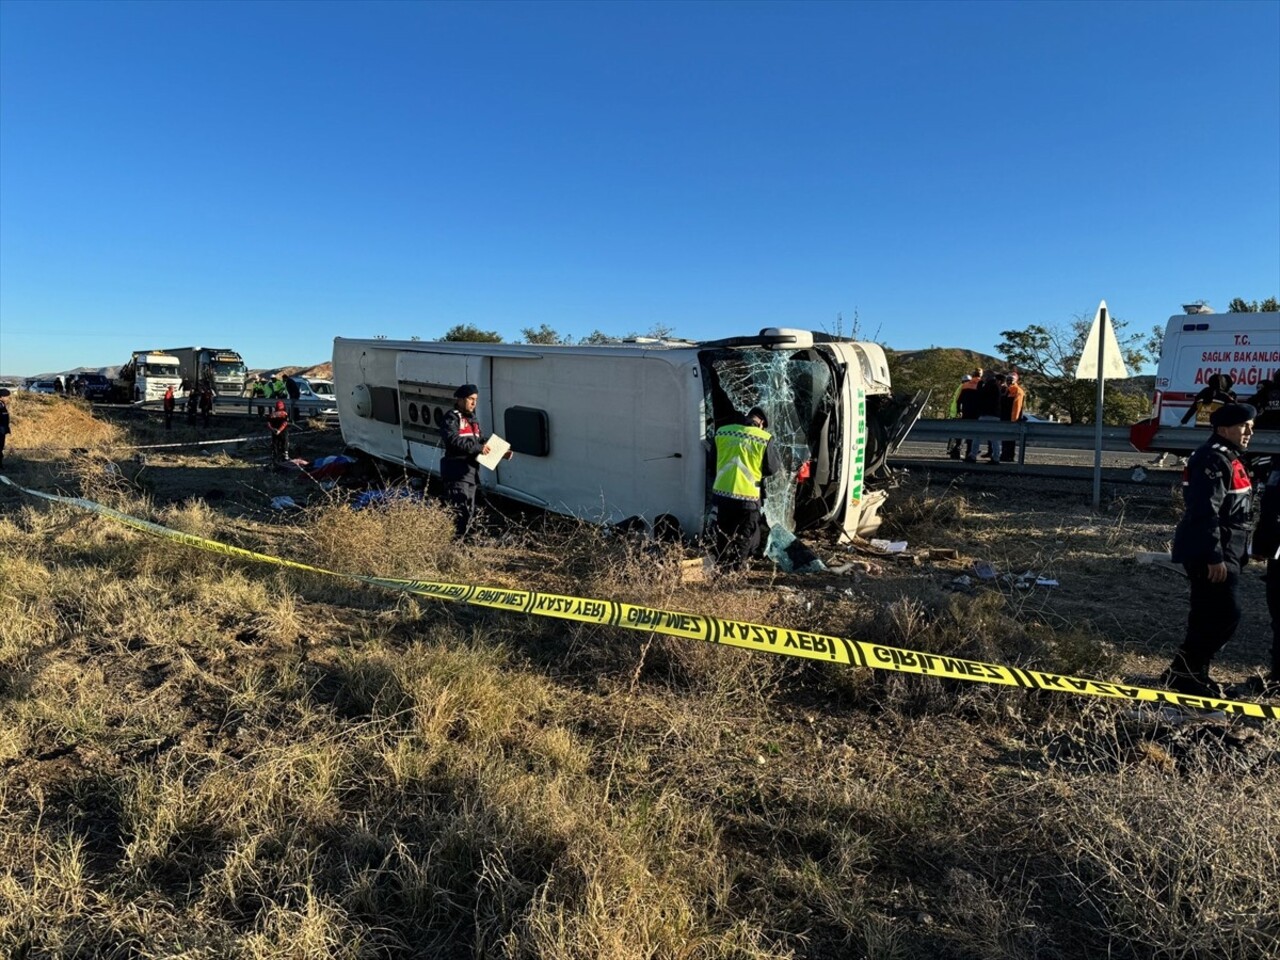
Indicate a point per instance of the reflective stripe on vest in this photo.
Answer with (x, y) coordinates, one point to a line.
(739, 462)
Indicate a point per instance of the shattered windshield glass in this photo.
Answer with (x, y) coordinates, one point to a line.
(797, 392)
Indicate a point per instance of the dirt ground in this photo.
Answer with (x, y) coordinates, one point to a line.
(1020, 522)
(1017, 522)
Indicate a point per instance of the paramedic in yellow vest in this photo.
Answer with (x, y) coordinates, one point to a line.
(745, 455)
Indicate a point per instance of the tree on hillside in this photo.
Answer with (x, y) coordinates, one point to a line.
(659, 331)
(1046, 357)
(469, 333)
(544, 335)
(938, 370)
(1269, 305)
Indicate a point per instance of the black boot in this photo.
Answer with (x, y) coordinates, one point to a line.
(1191, 678)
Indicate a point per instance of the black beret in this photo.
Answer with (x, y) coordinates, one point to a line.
(466, 390)
(1232, 414)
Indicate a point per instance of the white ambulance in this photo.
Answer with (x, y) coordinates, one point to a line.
(1242, 346)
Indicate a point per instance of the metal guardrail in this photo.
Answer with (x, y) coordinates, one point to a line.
(308, 409)
(1072, 436)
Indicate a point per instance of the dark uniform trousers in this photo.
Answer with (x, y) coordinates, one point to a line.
(1215, 614)
(461, 496)
(737, 531)
(1273, 607)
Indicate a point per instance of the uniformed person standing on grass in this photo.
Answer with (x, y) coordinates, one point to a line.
(745, 455)
(1211, 542)
(206, 405)
(278, 427)
(169, 403)
(4, 421)
(1266, 546)
(464, 442)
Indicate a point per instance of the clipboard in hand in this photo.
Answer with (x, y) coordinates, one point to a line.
(497, 450)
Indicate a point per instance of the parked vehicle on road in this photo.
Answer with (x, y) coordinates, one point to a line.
(220, 369)
(147, 375)
(1244, 347)
(94, 387)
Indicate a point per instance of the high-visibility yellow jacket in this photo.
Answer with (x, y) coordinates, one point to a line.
(740, 454)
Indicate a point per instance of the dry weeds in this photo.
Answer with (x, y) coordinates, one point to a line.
(201, 757)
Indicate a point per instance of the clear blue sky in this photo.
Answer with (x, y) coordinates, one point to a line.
(267, 176)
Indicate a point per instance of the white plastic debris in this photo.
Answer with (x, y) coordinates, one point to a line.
(284, 503)
(889, 546)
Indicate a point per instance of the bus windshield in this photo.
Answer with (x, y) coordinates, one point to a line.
(797, 389)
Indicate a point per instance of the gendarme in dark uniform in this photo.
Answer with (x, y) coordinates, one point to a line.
(1266, 546)
(1211, 543)
(464, 441)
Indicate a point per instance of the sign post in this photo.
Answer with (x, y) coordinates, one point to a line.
(1100, 359)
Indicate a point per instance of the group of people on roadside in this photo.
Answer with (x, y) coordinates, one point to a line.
(199, 400)
(986, 396)
(277, 387)
(1215, 539)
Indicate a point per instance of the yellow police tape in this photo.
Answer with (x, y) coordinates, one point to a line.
(693, 626)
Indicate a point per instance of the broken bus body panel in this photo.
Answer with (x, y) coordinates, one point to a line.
(608, 432)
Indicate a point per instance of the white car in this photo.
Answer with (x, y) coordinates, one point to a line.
(42, 386)
(318, 392)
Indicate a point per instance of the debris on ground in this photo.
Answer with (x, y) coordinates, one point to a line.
(859, 566)
(984, 570)
(889, 546)
(330, 468)
(791, 554)
(1157, 558)
(372, 498)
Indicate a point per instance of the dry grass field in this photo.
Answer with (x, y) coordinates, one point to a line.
(202, 757)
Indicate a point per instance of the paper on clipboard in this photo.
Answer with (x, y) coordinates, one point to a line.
(497, 450)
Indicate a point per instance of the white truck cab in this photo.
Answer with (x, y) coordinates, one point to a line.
(153, 372)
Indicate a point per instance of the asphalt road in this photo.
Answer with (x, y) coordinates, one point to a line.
(1128, 468)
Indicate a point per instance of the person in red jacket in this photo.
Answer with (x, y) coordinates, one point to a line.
(278, 426)
(169, 403)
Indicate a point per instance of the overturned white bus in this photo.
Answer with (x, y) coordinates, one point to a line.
(609, 432)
